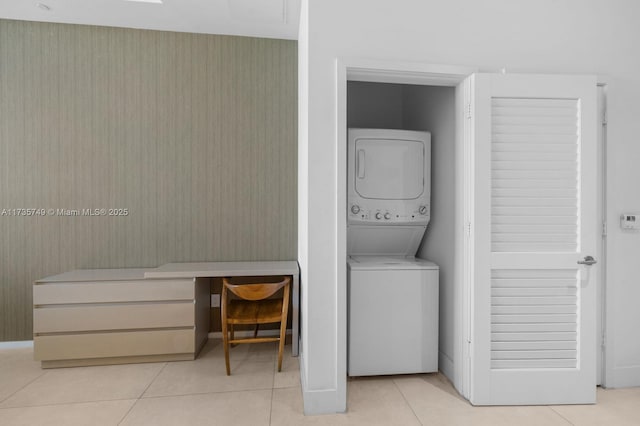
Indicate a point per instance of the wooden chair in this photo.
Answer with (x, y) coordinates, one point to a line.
(253, 305)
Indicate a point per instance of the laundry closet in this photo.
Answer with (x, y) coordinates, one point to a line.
(425, 343)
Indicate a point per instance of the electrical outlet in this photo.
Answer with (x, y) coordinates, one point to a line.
(215, 300)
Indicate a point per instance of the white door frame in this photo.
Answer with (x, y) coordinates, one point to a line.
(399, 72)
(604, 352)
(358, 69)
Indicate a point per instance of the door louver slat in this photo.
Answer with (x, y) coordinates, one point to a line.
(541, 334)
(534, 165)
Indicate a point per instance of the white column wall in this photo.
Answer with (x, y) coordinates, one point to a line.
(547, 36)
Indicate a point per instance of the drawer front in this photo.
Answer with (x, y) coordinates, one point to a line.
(104, 345)
(113, 291)
(51, 319)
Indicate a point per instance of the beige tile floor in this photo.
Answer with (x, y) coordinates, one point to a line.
(199, 392)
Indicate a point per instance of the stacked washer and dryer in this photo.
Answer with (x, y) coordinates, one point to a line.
(392, 295)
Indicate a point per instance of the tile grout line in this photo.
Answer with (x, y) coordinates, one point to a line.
(142, 393)
(128, 411)
(207, 393)
(153, 380)
(273, 383)
(407, 402)
(55, 404)
(271, 406)
(42, 373)
(561, 416)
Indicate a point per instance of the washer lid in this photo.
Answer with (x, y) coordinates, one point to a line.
(389, 263)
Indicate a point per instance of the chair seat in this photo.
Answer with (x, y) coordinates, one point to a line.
(254, 312)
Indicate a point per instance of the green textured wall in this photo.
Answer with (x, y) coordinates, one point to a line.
(194, 134)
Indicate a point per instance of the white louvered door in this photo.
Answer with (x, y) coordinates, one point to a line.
(533, 218)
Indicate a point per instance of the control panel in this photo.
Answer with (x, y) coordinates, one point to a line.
(396, 213)
(630, 221)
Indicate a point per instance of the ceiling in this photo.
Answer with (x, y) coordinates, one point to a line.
(255, 18)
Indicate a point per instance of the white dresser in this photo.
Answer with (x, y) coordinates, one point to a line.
(113, 316)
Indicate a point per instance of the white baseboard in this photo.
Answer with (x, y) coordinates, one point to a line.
(625, 377)
(16, 345)
(319, 402)
(445, 365)
(316, 402)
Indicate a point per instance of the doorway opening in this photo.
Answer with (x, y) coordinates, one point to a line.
(411, 97)
(387, 93)
(431, 109)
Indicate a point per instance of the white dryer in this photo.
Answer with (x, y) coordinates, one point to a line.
(389, 191)
(392, 296)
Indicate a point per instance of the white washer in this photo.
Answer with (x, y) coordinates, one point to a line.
(393, 316)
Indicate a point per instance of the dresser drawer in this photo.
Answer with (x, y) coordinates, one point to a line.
(113, 291)
(51, 319)
(103, 345)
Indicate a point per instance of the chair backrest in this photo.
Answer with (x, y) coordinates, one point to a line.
(255, 291)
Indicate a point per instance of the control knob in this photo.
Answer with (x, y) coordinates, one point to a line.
(355, 209)
(378, 215)
(387, 215)
(422, 210)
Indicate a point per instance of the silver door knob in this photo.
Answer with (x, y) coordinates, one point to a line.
(588, 260)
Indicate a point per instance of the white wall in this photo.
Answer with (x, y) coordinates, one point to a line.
(550, 36)
(303, 186)
(374, 105)
(432, 108)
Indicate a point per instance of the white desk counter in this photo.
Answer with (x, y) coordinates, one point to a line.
(113, 316)
(239, 269)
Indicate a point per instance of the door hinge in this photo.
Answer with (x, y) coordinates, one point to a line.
(605, 117)
(468, 111)
(604, 229)
(468, 226)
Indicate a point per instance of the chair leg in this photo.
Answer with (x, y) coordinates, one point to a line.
(283, 333)
(255, 332)
(233, 345)
(225, 344)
